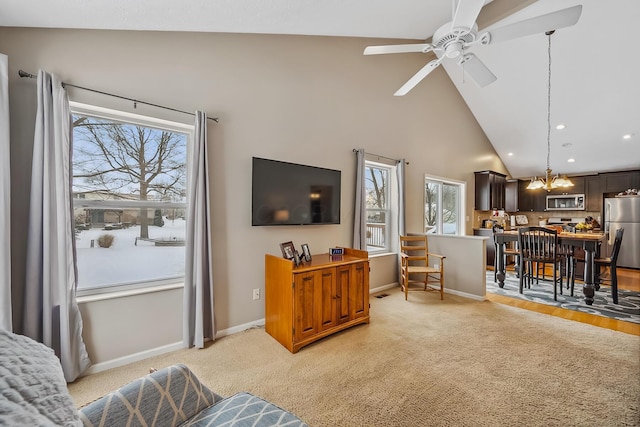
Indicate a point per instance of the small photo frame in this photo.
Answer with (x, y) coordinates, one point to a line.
(306, 253)
(296, 258)
(288, 250)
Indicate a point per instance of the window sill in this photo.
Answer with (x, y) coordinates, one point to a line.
(128, 293)
(382, 254)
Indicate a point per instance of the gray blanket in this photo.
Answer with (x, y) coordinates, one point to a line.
(33, 391)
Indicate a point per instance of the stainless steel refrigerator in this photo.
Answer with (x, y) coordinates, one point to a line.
(623, 212)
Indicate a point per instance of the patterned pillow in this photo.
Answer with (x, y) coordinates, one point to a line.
(167, 397)
(245, 409)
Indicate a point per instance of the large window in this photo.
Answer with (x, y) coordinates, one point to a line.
(443, 206)
(130, 195)
(380, 198)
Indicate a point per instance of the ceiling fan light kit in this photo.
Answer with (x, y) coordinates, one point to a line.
(454, 39)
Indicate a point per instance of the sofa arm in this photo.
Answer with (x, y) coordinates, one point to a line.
(167, 397)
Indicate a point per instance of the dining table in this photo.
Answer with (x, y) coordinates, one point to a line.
(589, 241)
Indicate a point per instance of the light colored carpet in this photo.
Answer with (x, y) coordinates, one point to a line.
(425, 362)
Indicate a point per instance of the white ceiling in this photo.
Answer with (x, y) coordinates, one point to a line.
(595, 91)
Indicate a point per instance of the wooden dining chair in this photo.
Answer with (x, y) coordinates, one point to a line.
(610, 262)
(539, 246)
(507, 252)
(416, 260)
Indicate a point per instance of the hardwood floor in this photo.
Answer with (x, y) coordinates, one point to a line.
(628, 279)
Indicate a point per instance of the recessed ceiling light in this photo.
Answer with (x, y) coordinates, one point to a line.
(509, 154)
(571, 160)
(560, 126)
(627, 136)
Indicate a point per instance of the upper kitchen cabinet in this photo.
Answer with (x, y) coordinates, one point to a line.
(489, 190)
(530, 200)
(616, 182)
(511, 191)
(578, 187)
(593, 193)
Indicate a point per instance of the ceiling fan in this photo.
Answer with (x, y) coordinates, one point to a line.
(453, 39)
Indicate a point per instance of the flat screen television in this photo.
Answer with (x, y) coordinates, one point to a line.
(291, 194)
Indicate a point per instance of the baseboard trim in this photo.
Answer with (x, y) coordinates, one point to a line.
(446, 291)
(125, 360)
(383, 288)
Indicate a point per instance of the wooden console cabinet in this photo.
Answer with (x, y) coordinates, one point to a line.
(306, 303)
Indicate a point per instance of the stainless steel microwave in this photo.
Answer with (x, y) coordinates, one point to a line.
(565, 202)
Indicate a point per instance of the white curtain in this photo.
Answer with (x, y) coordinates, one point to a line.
(5, 206)
(199, 323)
(359, 214)
(51, 313)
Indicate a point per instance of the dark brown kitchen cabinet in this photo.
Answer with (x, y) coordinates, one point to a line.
(593, 193)
(489, 190)
(616, 182)
(530, 200)
(578, 187)
(511, 191)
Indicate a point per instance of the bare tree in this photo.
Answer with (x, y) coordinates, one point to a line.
(122, 159)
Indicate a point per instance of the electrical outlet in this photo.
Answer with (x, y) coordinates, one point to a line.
(256, 294)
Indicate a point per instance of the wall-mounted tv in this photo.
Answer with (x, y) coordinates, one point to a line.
(292, 194)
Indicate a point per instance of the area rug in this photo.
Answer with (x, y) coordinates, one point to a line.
(627, 309)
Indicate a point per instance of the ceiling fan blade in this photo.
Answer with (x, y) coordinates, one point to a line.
(417, 77)
(466, 13)
(477, 70)
(399, 48)
(539, 24)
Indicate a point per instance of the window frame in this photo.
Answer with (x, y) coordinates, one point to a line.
(391, 211)
(461, 206)
(188, 130)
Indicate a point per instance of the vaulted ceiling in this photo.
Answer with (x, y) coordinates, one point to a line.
(595, 90)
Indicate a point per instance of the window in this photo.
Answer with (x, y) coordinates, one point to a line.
(443, 206)
(130, 199)
(381, 206)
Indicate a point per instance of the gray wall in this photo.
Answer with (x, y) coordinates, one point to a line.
(300, 99)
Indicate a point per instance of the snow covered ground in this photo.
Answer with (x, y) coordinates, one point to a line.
(126, 262)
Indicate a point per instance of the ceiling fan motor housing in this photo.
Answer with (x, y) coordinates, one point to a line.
(452, 40)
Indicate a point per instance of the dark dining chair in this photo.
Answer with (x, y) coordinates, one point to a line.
(508, 251)
(539, 245)
(612, 263)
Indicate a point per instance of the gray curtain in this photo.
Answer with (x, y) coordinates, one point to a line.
(199, 323)
(5, 206)
(359, 214)
(400, 167)
(402, 229)
(51, 313)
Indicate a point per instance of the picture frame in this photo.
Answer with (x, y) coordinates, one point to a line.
(287, 249)
(296, 258)
(306, 252)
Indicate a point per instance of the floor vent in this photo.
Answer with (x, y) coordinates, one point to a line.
(382, 295)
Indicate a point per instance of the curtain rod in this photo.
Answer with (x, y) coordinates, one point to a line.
(32, 76)
(355, 150)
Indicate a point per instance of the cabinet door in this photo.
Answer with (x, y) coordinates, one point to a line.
(327, 298)
(616, 182)
(343, 288)
(497, 191)
(593, 193)
(304, 293)
(511, 191)
(359, 290)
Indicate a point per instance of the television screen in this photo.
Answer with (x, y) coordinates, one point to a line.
(291, 194)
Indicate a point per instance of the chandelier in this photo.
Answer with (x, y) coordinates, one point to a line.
(549, 182)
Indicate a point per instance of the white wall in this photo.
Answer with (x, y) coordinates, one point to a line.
(307, 100)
